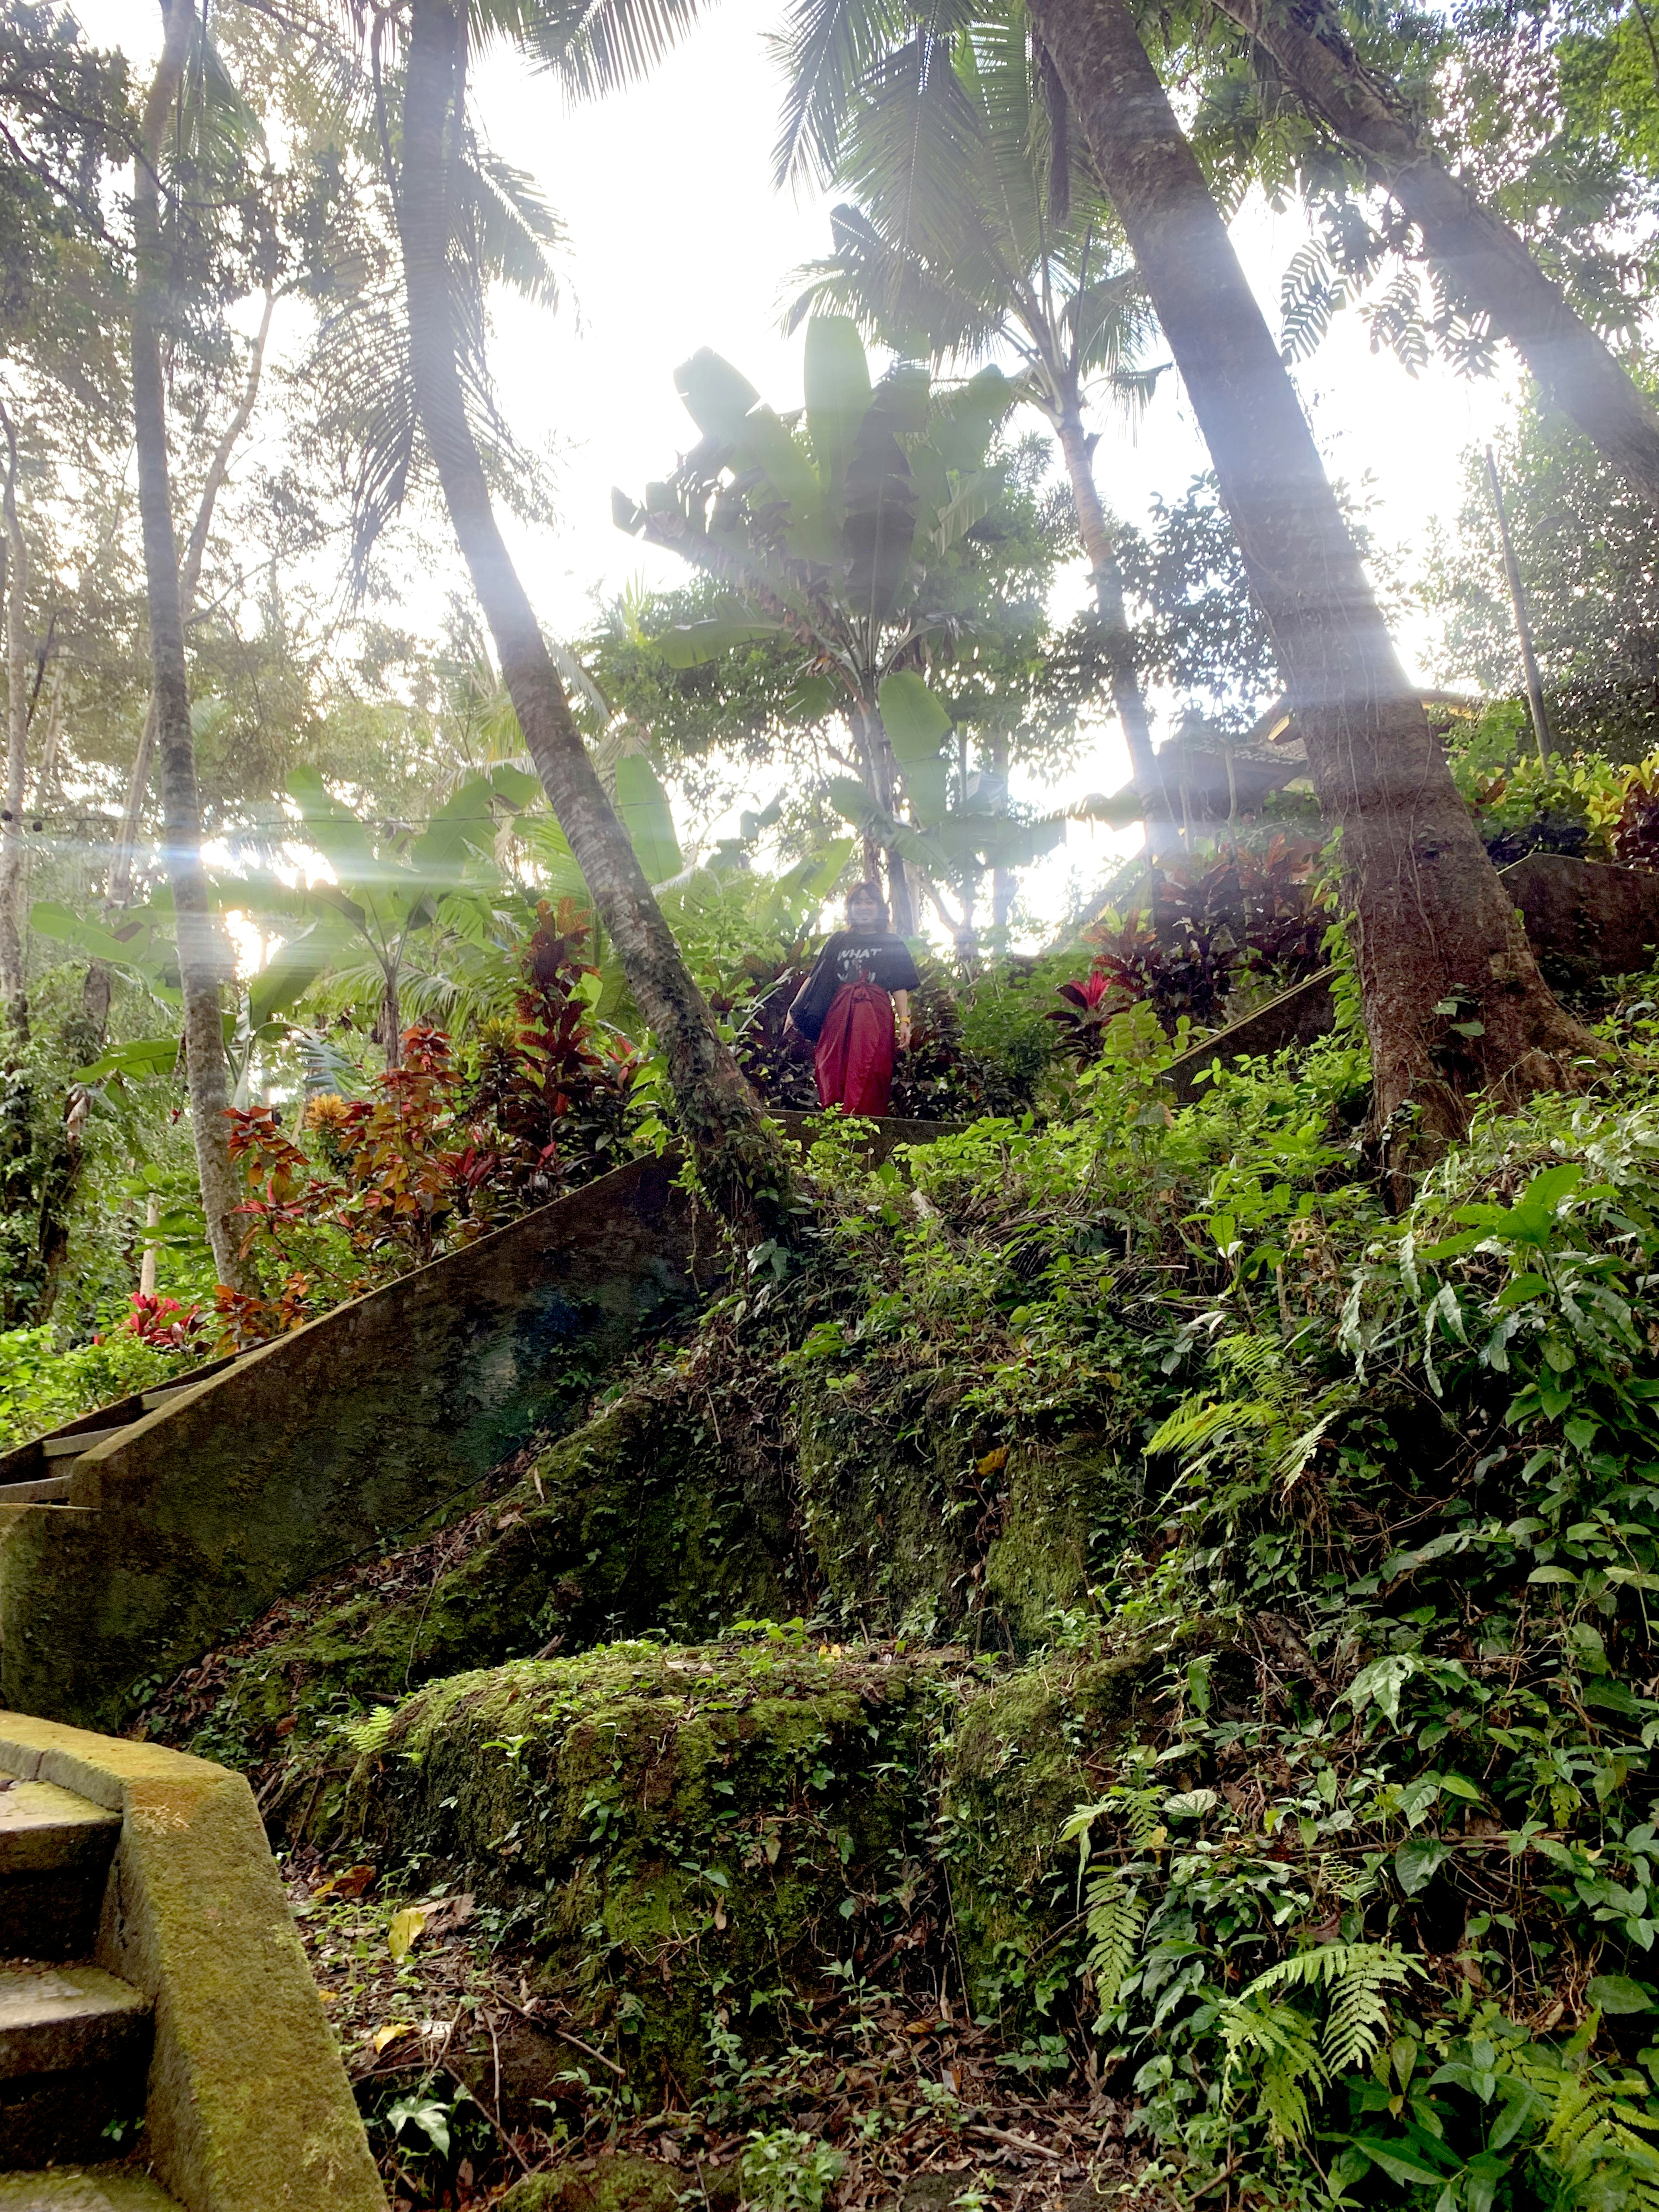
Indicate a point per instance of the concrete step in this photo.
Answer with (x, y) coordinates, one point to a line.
(55, 1853)
(84, 2188)
(75, 2045)
(41, 1490)
(71, 1447)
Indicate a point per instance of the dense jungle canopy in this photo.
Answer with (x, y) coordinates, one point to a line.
(1107, 1657)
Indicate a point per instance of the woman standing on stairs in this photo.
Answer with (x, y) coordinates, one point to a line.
(854, 1007)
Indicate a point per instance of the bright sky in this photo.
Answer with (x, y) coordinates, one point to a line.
(678, 240)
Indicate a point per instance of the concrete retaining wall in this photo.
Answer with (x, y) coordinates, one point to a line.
(298, 1456)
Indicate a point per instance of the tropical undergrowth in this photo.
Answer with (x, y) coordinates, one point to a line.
(1369, 1895)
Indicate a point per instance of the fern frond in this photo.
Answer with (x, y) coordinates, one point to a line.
(1284, 2043)
(1116, 1917)
(1198, 1419)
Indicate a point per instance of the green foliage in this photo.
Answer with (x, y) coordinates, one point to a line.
(44, 1384)
(1582, 537)
(785, 2171)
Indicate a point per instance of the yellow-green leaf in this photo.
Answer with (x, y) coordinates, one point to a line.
(404, 1931)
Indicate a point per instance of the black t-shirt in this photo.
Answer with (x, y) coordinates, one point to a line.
(851, 956)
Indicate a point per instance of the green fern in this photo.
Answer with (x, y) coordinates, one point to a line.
(1117, 1916)
(1595, 2138)
(372, 1733)
(1289, 2053)
(1198, 1420)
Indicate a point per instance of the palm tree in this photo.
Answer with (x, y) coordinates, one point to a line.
(742, 1164)
(977, 230)
(201, 964)
(1453, 997)
(1488, 263)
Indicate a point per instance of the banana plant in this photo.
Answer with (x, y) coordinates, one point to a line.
(140, 947)
(956, 843)
(356, 936)
(835, 528)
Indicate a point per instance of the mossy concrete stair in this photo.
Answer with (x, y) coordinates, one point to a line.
(75, 2038)
(162, 1995)
(134, 1540)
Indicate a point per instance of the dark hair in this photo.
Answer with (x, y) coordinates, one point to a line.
(867, 891)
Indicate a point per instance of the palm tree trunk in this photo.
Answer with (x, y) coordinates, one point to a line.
(1107, 579)
(190, 578)
(1485, 258)
(743, 1167)
(200, 960)
(13, 1001)
(1434, 925)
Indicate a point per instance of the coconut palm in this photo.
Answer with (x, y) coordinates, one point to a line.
(977, 231)
(1487, 262)
(201, 965)
(742, 1164)
(1453, 998)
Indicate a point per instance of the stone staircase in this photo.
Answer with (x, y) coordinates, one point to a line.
(162, 2045)
(75, 2038)
(38, 1474)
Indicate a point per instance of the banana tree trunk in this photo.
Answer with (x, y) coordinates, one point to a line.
(1434, 925)
(1107, 579)
(13, 992)
(201, 964)
(391, 1021)
(881, 778)
(1485, 258)
(743, 1166)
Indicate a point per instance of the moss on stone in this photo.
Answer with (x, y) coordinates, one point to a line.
(1061, 1501)
(614, 2182)
(631, 1522)
(916, 1529)
(890, 1505)
(709, 1832)
(1016, 1765)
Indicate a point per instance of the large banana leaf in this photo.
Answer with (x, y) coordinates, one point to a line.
(691, 645)
(718, 397)
(643, 806)
(916, 726)
(837, 385)
(879, 533)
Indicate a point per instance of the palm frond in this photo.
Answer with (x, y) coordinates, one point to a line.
(509, 228)
(913, 305)
(593, 48)
(824, 53)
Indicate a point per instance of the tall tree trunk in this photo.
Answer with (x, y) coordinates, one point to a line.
(1486, 261)
(881, 776)
(16, 580)
(190, 578)
(1434, 924)
(743, 1166)
(1003, 880)
(1115, 634)
(201, 964)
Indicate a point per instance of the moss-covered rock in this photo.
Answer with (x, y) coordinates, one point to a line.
(614, 2182)
(917, 1529)
(711, 1834)
(634, 1521)
(1016, 1765)
(1064, 1508)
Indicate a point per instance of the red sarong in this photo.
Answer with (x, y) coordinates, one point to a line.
(855, 1056)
